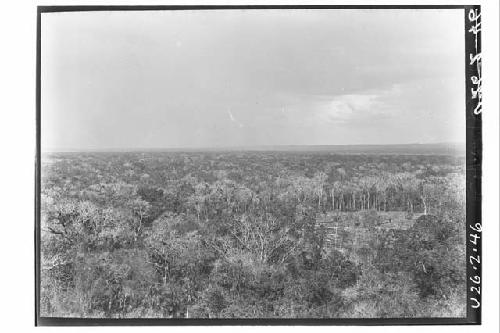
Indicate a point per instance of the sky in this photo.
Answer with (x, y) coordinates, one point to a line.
(174, 79)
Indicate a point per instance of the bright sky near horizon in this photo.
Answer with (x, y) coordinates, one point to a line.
(169, 79)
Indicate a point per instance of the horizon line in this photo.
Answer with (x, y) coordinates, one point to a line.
(246, 147)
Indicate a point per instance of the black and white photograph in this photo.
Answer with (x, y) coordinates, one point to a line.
(259, 164)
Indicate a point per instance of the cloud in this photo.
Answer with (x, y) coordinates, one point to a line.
(425, 110)
(234, 120)
(349, 108)
(346, 107)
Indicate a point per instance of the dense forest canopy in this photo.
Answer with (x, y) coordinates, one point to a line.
(252, 234)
